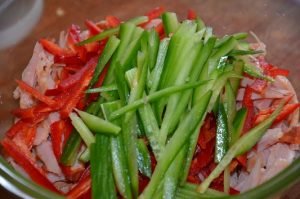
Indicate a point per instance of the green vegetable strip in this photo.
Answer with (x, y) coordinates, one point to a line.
(156, 95)
(85, 156)
(86, 135)
(143, 158)
(238, 124)
(181, 102)
(129, 123)
(173, 174)
(238, 68)
(158, 68)
(174, 100)
(71, 148)
(119, 162)
(216, 88)
(222, 141)
(123, 89)
(147, 118)
(256, 72)
(110, 32)
(111, 87)
(211, 65)
(100, 169)
(170, 22)
(153, 46)
(180, 137)
(98, 125)
(244, 52)
(237, 36)
(126, 50)
(107, 53)
(241, 146)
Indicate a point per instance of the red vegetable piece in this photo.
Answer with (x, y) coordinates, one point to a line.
(35, 93)
(248, 104)
(155, 13)
(54, 49)
(27, 163)
(73, 39)
(78, 90)
(26, 137)
(69, 60)
(73, 79)
(73, 173)
(242, 159)
(14, 129)
(113, 21)
(92, 27)
(191, 14)
(56, 133)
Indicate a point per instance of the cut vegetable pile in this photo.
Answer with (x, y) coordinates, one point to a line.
(154, 107)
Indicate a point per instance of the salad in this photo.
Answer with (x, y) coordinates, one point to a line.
(154, 107)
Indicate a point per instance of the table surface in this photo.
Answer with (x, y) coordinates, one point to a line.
(276, 23)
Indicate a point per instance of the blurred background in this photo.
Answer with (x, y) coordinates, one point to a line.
(23, 22)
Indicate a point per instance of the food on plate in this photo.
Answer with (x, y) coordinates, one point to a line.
(153, 107)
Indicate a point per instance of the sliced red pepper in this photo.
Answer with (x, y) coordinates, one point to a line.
(92, 27)
(248, 104)
(143, 182)
(99, 83)
(73, 173)
(52, 92)
(17, 127)
(73, 39)
(278, 71)
(113, 21)
(73, 79)
(73, 60)
(191, 14)
(286, 111)
(292, 136)
(56, 133)
(207, 131)
(64, 74)
(35, 93)
(80, 189)
(26, 137)
(54, 49)
(155, 13)
(78, 89)
(160, 29)
(27, 163)
(242, 159)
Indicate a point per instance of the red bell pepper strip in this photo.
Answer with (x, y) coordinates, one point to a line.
(80, 189)
(155, 13)
(292, 136)
(113, 21)
(73, 38)
(73, 173)
(73, 79)
(52, 92)
(35, 93)
(17, 127)
(56, 133)
(207, 132)
(26, 137)
(73, 60)
(54, 49)
(94, 96)
(248, 104)
(278, 71)
(27, 163)
(34, 114)
(78, 89)
(191, 14)
(286, 111)
(92, 27)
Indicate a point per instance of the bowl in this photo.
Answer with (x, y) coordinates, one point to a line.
(276, 23)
